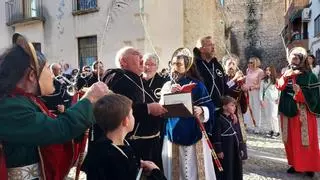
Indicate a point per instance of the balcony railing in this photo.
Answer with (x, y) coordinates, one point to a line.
(294, 7)
(84, 6)
(18, 11)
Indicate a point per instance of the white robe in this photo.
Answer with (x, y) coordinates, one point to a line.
(188, 160)
(271, 95)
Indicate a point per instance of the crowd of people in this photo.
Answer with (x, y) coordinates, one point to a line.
(113, 124)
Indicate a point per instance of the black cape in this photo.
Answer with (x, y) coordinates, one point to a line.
(213, 77)
(135, 88)
(105, 161)
(58, 97)
(155, 84)
(228, 139)
(87, 81)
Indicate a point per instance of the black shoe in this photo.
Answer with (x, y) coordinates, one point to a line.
(291, 170)
(310, 174)
(276, 135)
(270, 134)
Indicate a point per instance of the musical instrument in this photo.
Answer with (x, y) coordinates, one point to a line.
(84, 75)
(296, 52)
(71, 86)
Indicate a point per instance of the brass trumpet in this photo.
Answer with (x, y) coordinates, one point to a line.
(84, 75)
(71, 86)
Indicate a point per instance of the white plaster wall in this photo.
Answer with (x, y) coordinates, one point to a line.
(33, 31)
(5, 31)
(63, 29)
(314, 42)
(60, 32)
(165, 26)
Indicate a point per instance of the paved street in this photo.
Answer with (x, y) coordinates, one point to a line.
(267, 160)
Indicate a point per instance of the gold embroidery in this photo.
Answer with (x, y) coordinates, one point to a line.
(175, 173)
(26, 172)
(200, 160)
(241, 122)
(304, 125)
(284, 129)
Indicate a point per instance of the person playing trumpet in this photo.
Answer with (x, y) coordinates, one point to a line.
(298, 107)
(90, 77)
(36, 144)
(60, 99)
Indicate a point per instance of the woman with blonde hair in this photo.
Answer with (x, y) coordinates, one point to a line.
(252, 86)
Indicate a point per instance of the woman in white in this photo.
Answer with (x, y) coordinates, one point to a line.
(252, 86)
(311, 63)
(186, 154)
(269, 98)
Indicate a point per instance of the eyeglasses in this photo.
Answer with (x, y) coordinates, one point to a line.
(177, 64)
(250, 62)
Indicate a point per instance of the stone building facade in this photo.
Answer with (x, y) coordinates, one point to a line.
(172, 24)
(74, 31)
(255, 28)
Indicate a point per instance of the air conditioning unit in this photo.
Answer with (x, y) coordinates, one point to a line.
(306, 15)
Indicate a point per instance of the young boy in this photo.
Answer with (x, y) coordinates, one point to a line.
(228, 141)
(112, 157)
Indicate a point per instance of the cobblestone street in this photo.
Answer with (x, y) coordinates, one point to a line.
(267, 160)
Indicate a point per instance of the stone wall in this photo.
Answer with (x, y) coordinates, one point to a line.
(255, 29)
(203, 18)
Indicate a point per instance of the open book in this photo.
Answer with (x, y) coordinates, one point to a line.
(187, 87)
(179, 104)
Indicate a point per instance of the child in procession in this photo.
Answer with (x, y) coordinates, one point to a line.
(269, 99)
(228, 141)
(112, 157)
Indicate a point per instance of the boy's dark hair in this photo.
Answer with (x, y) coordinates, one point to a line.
(111, 110)
(227, 99)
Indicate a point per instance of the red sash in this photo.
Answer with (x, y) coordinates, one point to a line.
(3, 169)
(56, 159)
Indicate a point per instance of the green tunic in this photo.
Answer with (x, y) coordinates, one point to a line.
(23, 127)
(288, 105)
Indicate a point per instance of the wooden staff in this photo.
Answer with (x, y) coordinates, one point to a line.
(213, 153)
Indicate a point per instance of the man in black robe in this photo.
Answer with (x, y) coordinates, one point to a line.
(127, 81)
(91, 78)
(60, 100)
(210, 69)
(212, 74)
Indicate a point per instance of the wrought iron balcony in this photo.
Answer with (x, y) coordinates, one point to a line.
(20, 11)
(295, 8)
